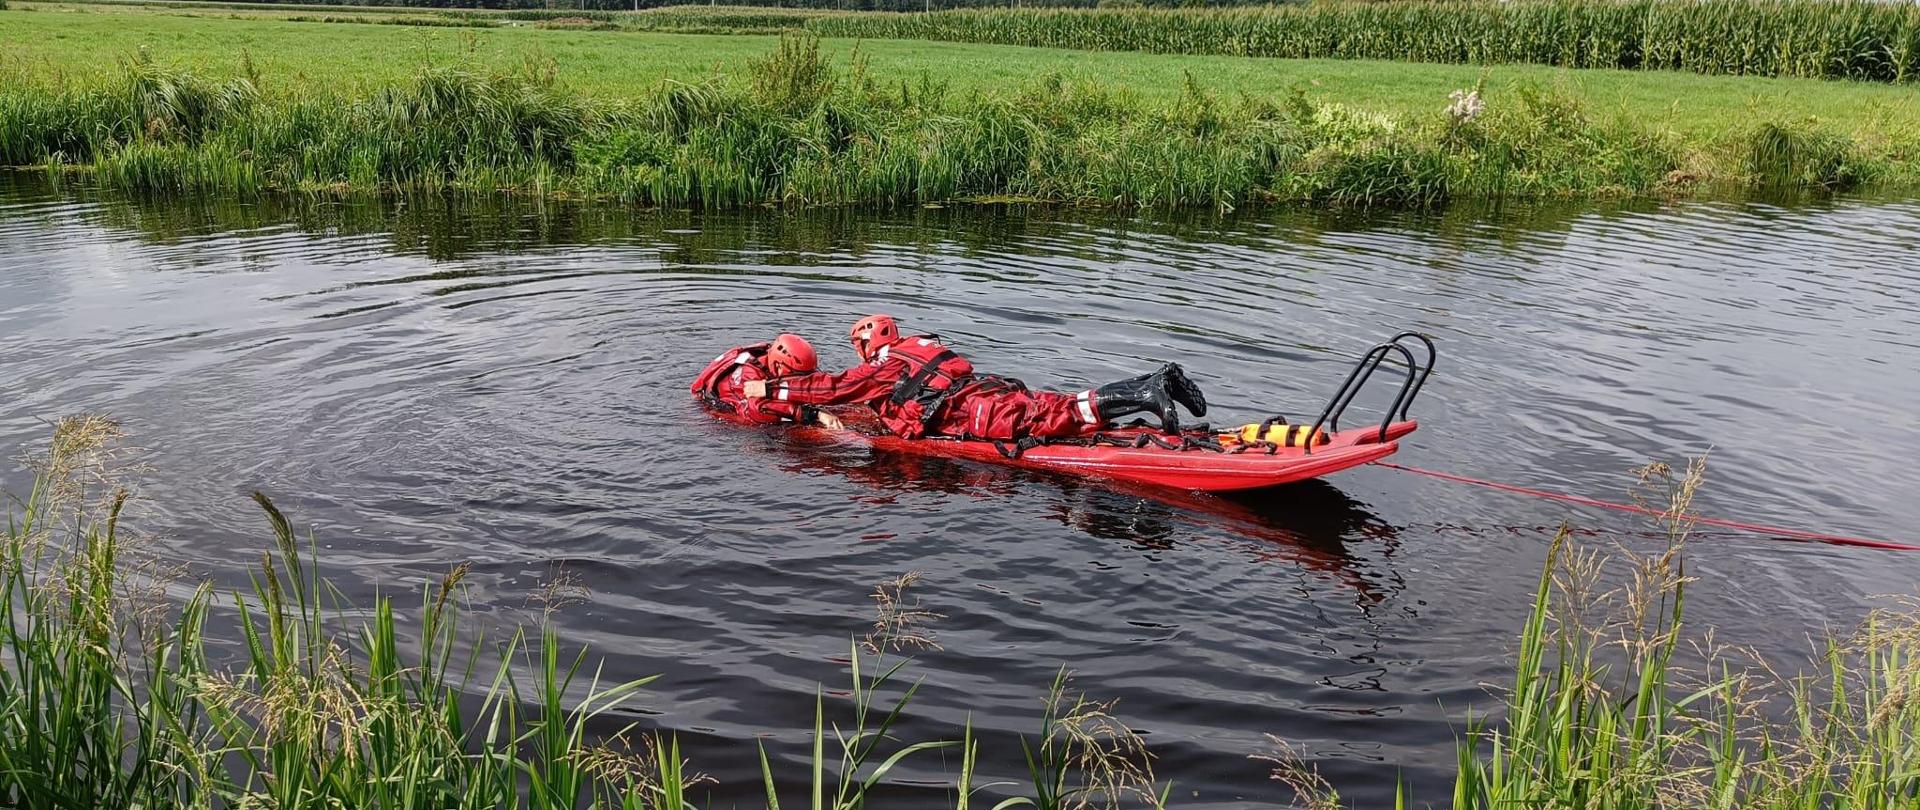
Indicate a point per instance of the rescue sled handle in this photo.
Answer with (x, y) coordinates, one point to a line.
(1417, 374)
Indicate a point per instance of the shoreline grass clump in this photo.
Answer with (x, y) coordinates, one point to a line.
(1617, 703)
(796, 130)
(114, 693)
(1822, 39)
(113, 697)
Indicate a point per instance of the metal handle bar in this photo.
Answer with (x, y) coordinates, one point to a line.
(1417, 374)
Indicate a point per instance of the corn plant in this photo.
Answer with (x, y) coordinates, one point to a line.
(1841, 39)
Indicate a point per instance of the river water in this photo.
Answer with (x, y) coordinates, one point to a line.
(428, 382)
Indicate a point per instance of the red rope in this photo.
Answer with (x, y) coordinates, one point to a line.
(1796, 534)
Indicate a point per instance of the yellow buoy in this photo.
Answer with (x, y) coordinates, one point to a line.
(1283, 435)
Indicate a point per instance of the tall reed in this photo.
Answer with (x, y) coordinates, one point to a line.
(113, 695)
(112, 699)
(1616, 704)
(1603, 714)
(1828, 39)
(797, 130)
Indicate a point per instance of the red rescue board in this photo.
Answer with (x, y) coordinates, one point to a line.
(1195, 469)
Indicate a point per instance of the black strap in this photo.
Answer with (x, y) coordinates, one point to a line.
(1006, 383)
(1180, 442)
(991, 383)
(713, 400)
(930, 408)
(1155, 440)
(909, 389)
(1201, 442)
(1013, 450)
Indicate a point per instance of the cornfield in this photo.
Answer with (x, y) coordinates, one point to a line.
(1842, 39)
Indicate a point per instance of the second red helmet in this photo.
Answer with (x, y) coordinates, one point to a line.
(791, 354)
(873, 332)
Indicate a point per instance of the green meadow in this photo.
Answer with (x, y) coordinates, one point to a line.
(77, 40)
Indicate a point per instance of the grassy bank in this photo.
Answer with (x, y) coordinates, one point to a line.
(90, 42)
(794, 129)
(1838, 39)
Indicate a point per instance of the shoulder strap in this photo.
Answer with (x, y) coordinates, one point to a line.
(910, 388)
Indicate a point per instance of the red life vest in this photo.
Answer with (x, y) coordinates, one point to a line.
(706, 386)
(934, 372)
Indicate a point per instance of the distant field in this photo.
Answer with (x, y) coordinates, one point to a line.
(1868, 40)
(220, 5)
(82, 40)
(677, 18)
(587, 104)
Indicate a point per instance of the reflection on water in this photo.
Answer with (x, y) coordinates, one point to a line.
(1304, 527)
(501, 381)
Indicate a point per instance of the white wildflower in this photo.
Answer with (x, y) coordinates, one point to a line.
(1466, 106)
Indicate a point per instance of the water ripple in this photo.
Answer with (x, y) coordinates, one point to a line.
(499, 384)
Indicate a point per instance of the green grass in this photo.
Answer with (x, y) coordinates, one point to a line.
(114, 694)
(1829, 39)
(795, 130)
(1618, 703)
(700, 19)
(273, 104)
(199, 7)
(613, 64)
(1602, 713)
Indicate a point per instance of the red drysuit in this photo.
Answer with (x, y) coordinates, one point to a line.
(920, 387)
(719, 386)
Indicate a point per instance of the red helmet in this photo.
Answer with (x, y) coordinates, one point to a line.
(791, 354)
(873, 332)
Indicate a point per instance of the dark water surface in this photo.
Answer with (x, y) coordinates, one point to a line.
(433, 382)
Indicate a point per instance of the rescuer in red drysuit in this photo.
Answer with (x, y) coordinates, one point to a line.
(719, 385)
(919, 387)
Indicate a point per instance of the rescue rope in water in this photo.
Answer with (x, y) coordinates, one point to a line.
(1775, 531)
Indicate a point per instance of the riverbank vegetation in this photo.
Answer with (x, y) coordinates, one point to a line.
(78, 42)
(1823, 39)
(1861, 40)
(794, 129)
(115, 693)
(125, 685)
(1617, 702)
